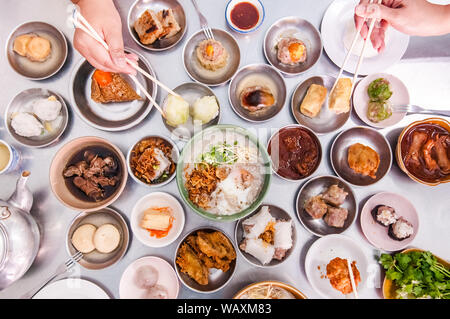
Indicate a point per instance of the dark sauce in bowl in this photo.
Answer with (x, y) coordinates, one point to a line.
(244, 15)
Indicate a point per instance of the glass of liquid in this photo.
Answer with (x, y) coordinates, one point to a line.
(9, 158)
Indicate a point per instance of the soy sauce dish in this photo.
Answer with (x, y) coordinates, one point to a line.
(244, 16)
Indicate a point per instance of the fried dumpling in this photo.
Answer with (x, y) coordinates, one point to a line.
(363, 160)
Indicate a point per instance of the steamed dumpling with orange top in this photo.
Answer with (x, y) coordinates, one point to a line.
(291, 51)
(211, 54)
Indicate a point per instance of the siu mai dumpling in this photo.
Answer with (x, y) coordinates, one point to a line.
(339, 101)
(313, 101)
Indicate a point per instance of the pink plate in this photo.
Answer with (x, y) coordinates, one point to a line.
(167, 278)
(377, 234)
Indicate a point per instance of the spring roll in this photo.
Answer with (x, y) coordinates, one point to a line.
(339, 101)
(312, 103)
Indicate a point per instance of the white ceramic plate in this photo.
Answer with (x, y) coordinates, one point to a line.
(167, 278)
(322, 252)
(72, 288)
(157, 199)
(335, 22)
(400, 96)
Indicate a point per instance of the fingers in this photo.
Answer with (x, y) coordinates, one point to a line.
(113, 37)
(360, 21)
(376, 11)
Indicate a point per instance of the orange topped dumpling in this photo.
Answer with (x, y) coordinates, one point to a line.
(291, 51)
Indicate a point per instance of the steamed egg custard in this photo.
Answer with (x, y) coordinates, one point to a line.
(224, 173)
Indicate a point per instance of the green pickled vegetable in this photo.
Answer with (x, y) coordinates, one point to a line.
(379, 90)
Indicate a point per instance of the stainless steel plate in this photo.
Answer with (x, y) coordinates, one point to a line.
(96, 260)
(200, 74)
(265, 73)
(110, 116)
(368, 137)
(279, 214)
(139, 7)
(38, 70)
(190, 92)
(326, 121)
(23, 100)
(297, 28)
(314, 187)
(217, 278)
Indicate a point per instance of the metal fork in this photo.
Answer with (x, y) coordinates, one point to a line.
(63, 268)
(203, 22)
(418, 110)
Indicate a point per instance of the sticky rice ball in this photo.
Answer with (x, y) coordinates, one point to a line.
(176, 110)
(205, 109)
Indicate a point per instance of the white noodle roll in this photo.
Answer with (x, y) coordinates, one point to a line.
(257, 223)
(259, 249)
(283, 234)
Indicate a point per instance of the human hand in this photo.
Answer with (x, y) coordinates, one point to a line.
(105, 19)
(413, 17)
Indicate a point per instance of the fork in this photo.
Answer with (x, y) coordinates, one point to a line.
(418, 110)
(203, 22)
(63, 268)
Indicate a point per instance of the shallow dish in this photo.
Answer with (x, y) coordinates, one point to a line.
(335, 22)
(326, 121)
(157, 199)
(139, 6)
(71, 288)
(24, 99)
(398, 152)
(254, 75)
(295, 27)
(190, 92)
(400, 96)
(38, 70)
(279, 214)
(60, 161)
(322, 251)
(369, 137)
(166, 278)
(377, 234)
(96, 260)
(110, 116)
(175, 156)
(217, 278)
(297, 293)
(223, 129)
(314, 187)
(207, 77)
(256, 3)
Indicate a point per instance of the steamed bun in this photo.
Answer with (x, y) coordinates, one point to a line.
(205, 109)
(176, 110)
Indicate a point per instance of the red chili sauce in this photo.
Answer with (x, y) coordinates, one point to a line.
(295, 153)
(244, 15)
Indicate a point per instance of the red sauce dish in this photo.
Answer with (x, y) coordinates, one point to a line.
(244, 16)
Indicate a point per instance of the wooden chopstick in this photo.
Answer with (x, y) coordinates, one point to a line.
(352, 279)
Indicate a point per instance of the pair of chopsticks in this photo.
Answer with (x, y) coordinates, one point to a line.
(352, 278)
(361, 56)
(86, 27)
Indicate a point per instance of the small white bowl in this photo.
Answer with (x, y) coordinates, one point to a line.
(157, 199)
(256, 3)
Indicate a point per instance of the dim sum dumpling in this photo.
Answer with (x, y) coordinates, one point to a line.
(283, 234)
(259, 249)
(256, 225)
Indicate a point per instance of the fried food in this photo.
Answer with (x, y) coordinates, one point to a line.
(363, 160)
(192, 265)
(312, 103)
(339, 100)
(217, 246)
(200, 183)
(337, 272)
(33, 47)
(109, 87)
(148, 27)
(169, 23)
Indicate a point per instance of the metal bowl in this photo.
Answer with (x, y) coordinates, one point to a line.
(314, 187)
(96, 260)
(326, 121)
(191, 91)
(175, 156)
(369, 137)
(139, 6)
(25, 98)
(217, 278)
(263, 70)
(297, 28)
(279, 214)
(38, 70)
(200, 74)
(110, 116)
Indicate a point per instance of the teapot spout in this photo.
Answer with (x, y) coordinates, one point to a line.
(22, 196)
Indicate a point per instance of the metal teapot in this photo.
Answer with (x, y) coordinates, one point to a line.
(19, 234)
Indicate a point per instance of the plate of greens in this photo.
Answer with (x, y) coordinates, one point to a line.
(415, 274)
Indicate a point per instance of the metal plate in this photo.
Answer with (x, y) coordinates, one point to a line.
(326, 121)
(368, 137)
(97, 260)
(24, 99)
(200, 74)
(138, 8)
(38, 70)
(257, 70)
(110, 116)
(279, 214)
(297, 28)
(314, 187)
(190, 92)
